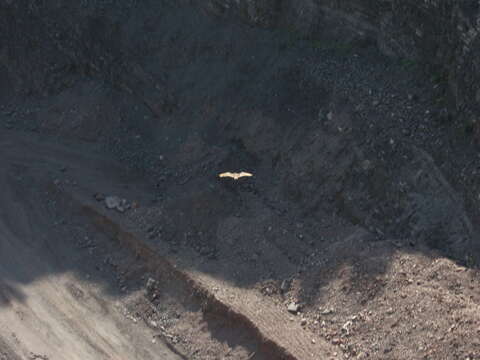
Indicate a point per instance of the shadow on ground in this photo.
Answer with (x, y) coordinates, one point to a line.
(349, 168)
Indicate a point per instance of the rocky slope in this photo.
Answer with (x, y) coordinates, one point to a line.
(362, 162)
(269, 99)
(87, 36)
(442, 35)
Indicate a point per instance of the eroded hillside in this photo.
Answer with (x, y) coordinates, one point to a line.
(356, 237)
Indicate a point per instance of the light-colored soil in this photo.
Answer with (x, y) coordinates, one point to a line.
(74, 275)
(54, 303)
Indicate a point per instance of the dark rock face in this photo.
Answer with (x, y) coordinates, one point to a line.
(440, 34)
(42, 42)
(70, 37)
(242, 97)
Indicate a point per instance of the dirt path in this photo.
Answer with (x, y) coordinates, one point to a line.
(51, 307)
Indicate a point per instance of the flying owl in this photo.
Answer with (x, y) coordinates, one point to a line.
(235, 176)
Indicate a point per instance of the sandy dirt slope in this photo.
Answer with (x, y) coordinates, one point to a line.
(50, 306)
(358, 297)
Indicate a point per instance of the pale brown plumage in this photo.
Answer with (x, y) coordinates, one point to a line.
(235, 176)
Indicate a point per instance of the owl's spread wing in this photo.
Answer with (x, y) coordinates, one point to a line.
(244, 174)
(227, 174)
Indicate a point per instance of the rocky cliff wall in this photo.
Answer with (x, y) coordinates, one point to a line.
(442, 35)
(43, 41)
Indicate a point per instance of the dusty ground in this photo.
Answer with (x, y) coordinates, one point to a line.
(59, 298)
(362, 215)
